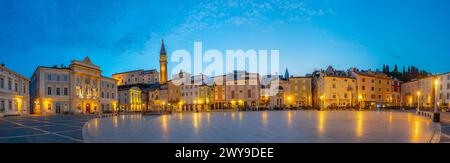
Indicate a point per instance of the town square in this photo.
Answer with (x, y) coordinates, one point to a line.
(214, 72)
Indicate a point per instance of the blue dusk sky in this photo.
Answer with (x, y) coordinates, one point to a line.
(123, 35)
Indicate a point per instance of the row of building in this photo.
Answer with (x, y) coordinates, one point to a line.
(80, 88)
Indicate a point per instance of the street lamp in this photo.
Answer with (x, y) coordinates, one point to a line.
(359, 101)
(418, 102)
(436, 115)
(321, 100)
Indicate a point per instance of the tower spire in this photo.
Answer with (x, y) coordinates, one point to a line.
(163, 48)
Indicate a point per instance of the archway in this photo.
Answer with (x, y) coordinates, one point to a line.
(88, 108)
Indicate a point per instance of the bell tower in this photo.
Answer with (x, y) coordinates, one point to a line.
(163, 64)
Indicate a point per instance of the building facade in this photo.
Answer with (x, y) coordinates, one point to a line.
(334, 89)
(137, 77)
(300, 91)
(14, 93)
(77, 89)
(130, 99)
(374, 89)
(242, 90)
(418, 93)
(444, 91)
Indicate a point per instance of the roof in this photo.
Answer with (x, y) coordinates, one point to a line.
(163, 48)
(15, 73)
(140, 86)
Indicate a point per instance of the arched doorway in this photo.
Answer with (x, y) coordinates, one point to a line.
(88, 108)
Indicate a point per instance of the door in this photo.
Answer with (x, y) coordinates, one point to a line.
(88, 108)
(58, 108)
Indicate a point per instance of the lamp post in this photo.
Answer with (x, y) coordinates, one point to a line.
(320, 103)
(359, 101)
(436, 115)
(418, 102)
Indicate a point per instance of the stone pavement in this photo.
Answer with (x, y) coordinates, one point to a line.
(445, 127)
(43, 129)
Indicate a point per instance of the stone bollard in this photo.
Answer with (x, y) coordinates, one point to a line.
(436, 117)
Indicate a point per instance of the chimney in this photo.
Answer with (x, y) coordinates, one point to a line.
(3, 64)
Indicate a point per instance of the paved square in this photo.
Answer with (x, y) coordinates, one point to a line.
(43, 129)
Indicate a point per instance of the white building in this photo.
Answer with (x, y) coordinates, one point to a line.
(14, 95)
(137, 77)
(79, 88)
(444, 91)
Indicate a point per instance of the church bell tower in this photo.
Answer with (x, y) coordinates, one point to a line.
(163, 64)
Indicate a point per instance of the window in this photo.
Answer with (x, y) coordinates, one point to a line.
(49, 77)
(65, 77)
(49, 91)
(345, 95)
(58, 91)
(334, 86)
(9, 105)
(107, 94)
(9, 84)
(24, 88)
(16, 87)
(58, 78)
(249, 93)
(373, 88)
(112, 95)
(2, 106)
(103, 94)
(363, 79)
(2, 83)
(379, 96)
(66, 91)
(363, 88)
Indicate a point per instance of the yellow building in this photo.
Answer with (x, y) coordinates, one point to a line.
(130, 99)
(334, 89)
(14, 94)
(137, 77)
(78, 89)
(374, 89)
(300, 92)
(242, 90)
(418, 92)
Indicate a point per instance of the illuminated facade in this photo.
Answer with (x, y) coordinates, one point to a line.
(197, 94)
(14, 95)
(374, 89)
(301, 92)
(137, 77)
(444, 91)
(77, 89)
(130, 99)
(276, 93)
(242, 90)
(334, 89)
(418, 92)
